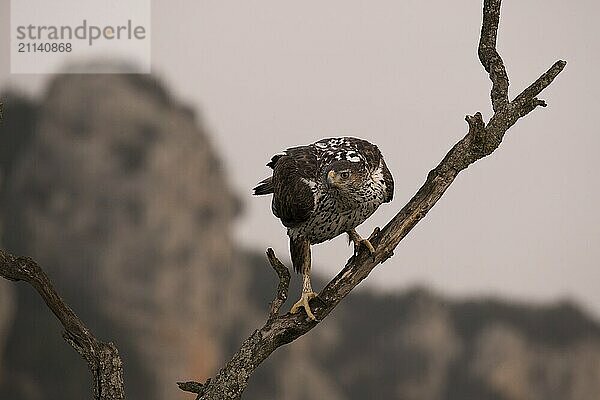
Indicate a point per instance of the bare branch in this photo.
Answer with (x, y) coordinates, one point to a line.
(527, 100)
(489, 57)
(102, 358)
(282, 288)
(192, 387)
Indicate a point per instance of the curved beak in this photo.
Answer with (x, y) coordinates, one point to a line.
(332, 179)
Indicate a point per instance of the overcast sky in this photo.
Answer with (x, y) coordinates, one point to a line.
(271, 74)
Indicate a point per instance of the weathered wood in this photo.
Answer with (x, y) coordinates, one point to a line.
(102, 358)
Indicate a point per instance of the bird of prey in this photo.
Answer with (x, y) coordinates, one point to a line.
(323, 190)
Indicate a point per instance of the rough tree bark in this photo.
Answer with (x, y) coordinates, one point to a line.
(481, 140)
(102, 358)
(231, 381)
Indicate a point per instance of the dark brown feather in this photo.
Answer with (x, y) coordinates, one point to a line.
(369, 151)
(300, 254)
(293, 200)
(264, 187)
(306, 161)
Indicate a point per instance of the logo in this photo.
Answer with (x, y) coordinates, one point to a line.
(80, 36)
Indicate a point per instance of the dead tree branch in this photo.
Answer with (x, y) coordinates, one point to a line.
(489, 57)
(102, 358)
(282, 288)
(481, 140)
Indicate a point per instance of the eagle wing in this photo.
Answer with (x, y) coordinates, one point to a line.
(294, 177)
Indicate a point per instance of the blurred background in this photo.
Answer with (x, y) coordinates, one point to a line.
(133, 191)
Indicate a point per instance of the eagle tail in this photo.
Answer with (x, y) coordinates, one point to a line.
(264, 187)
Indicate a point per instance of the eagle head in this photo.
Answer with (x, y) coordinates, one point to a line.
(345, 176)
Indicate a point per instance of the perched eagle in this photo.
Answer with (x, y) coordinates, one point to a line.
(323, 190)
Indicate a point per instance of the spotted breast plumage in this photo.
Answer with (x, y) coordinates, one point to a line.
(323, 190)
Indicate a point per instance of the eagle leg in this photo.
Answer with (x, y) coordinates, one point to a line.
(307, 295)
(359, 241)
(301, 259)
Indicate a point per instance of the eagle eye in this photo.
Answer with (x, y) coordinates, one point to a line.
(345, 174)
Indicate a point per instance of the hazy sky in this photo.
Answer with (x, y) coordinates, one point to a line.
(271, 74)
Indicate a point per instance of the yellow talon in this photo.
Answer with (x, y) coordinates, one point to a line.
(303, 302)
(359, 241)
(367, 244)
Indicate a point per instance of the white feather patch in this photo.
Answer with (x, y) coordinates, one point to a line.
(311, 184)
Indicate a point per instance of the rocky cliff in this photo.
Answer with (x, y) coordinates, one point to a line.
(121, 196)
(116, 188)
